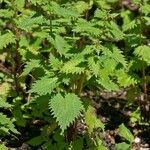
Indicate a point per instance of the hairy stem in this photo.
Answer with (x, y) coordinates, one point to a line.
(80, 84)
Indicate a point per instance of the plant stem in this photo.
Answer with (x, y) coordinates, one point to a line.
(80, 84)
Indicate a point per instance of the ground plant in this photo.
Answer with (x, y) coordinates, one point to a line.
(74, 75)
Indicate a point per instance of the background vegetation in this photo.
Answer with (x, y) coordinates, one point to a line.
(74, 74)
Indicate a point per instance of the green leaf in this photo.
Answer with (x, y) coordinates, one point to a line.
(19, 4)
(7, 123)
(123, 146)
(6, 39)
(102, 14)
(66, 109)
(125, 133)
(39, 105)
(30, 66)
(145, 9)
(91, 120)
(4, 13)
(4, 104)
(124, 79)
(130, 25)
(61, 45)
(64, 12)
(135, 115)
(72, 66)
(106, 82)
(118, 56)
(3, 147)
(100, 145)
(19, 116)
(83, 26)
(81, 6)
(55, 63)
(115, 31)
(44, 86)
(36, 141)
(143, 52)
(78, 144)
(29, 22)
(94, 66)
(115, 53)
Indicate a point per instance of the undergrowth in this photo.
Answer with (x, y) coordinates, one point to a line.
(52, 52)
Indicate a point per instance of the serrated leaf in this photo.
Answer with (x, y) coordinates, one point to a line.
(66, 109)
(115, 31)
(55, 63)
(124, 79)
(93, 66)
(111, 51)
(116, 54)
(106, 82)
(19, 4)
(102, 14)
(143, 52)
(81, 6)
(83, 26)
(145, 9)
(30, 66)
(4, 104)
(44, 86)
(91, 120)
(5, 13)
(64, 12)
(61, 45)
(7, 123)
(135, 116)
(6, 39)
(4, 130)
(27, 23)
(72, 66)
(130, 25)
(125, 133)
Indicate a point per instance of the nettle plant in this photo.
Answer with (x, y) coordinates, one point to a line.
(64, 48)
(136, 28)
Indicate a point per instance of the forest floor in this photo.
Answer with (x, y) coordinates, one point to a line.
(111, 109)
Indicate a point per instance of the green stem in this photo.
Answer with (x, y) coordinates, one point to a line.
(80, 84)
